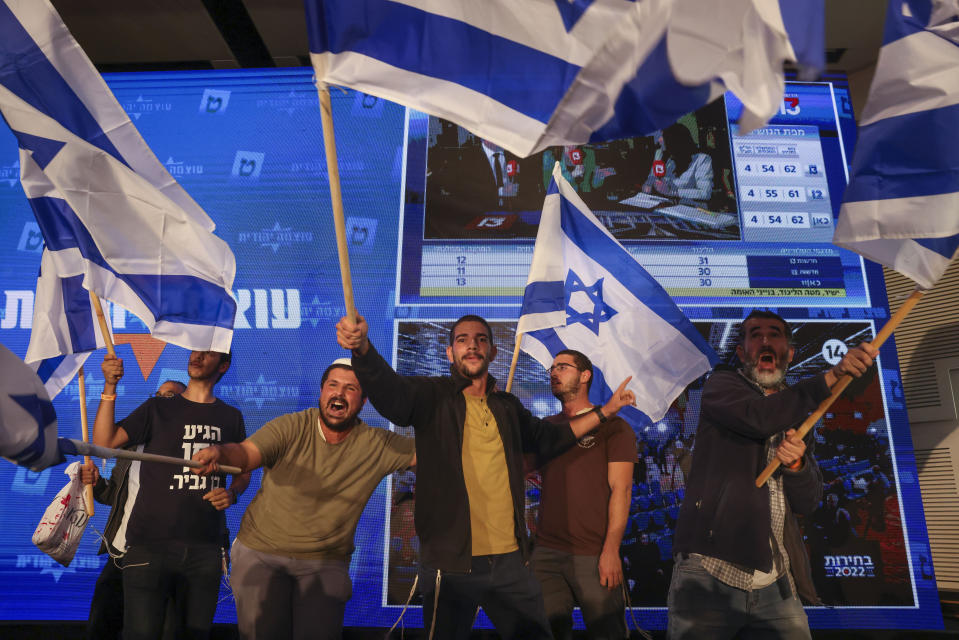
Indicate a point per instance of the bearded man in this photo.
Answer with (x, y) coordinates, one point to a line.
(291, 558)
(583, 511)
(470, 440)
(741, 565)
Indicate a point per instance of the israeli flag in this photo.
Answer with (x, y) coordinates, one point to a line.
(28, 422)
(532, 74)
(586, 292)
(108, 210)
(901, 207)
(64, 330)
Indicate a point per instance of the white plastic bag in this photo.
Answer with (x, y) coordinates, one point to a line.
(59, 532)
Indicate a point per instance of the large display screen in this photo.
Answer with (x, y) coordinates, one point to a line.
(440, 224)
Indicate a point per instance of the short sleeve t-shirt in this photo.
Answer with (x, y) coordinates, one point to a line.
(169, 504)
(313, 492)
(575, 496)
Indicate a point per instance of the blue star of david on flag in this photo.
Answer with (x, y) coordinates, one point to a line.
(577, 266)
(571, 11)
(601, 312)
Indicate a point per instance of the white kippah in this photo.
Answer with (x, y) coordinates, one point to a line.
(345, 361)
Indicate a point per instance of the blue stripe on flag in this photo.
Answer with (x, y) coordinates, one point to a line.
(442, 48)
(173, 298)
(48, 367)
(37, 82)
(806, 27)
(543, 297)
(899, 26)
(42, 150)
(76, 305)
(607, 253)
(651, 100)
(943, 246)
(906, 156)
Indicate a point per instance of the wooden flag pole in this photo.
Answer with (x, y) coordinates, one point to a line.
(85, 434)
(512, 365)
(104, 330)
(336, 196)
(844, 381)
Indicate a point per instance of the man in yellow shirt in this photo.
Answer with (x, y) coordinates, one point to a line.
(470, 440)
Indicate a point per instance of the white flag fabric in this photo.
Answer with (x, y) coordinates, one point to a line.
(64, 329)
(529, 75)
(28, 423)
(107, 208)
(901, 207)
(586, 292)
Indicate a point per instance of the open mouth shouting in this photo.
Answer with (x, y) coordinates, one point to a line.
(766, 360)
(338, 408)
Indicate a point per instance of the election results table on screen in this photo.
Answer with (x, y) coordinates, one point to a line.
(694, 274)
(782, 182)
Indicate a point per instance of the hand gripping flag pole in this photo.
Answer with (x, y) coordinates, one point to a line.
(844, 381)
(79, 447)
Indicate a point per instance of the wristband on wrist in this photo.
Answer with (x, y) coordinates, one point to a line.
(795, 466)
(108, 396)
(599, 413)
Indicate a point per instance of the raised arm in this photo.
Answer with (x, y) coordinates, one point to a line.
(106, 433)
(395, 397)
(585, 423)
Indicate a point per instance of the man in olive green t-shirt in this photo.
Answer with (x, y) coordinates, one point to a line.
(291, 558)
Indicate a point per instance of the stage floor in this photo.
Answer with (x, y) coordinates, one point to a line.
(46, 631)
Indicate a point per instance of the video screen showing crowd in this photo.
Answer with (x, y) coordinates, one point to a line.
(855, 520)
(674, 184)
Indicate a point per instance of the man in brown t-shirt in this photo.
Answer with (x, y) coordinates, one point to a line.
(583, 512)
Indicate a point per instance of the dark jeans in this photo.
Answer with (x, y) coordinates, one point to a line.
(569, 580)
(502, 584)
(700, 606)
(106, 607)
(153, 574)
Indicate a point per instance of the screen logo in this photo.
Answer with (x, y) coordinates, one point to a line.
(31, 240)
(247, 164)
(10, 174)
(214, 101)
(849, 566)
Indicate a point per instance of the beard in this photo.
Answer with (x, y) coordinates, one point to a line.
(473, 368)
(565, 392)
(766, 379)
(338, 424)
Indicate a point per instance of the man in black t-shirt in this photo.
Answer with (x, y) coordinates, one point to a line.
(171, 530)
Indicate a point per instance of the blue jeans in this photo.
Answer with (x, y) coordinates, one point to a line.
(700, 606)
(502, 584)
(568, 579)
(154, 573)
